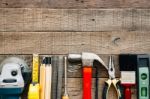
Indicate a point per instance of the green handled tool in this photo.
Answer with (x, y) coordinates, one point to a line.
(143, 76)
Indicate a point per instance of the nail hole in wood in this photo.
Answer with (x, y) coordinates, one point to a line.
(82, 1)
(93, 19)
(5, 3)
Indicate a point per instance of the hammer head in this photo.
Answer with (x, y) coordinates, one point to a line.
(86, 58)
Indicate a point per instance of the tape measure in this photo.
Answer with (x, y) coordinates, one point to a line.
(34, 91)
(35, 73)
(34, 88)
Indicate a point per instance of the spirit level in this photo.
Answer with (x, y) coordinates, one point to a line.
(143, 76)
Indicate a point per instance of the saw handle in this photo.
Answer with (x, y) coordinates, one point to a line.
(87, 79)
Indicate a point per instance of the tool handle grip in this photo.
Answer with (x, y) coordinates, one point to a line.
(118, 88)
(127, 93)
(87, 77)
(42, 81)
(65, 97)
(107, 85)
(105, 91)
(48, 82)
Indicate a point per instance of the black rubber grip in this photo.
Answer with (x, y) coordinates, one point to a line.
(105, 90)
(118, 86)
(96, 84)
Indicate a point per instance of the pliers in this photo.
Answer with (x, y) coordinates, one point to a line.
(111, 81)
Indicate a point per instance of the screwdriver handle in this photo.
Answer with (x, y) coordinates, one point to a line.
(65, 97)
(87, 81)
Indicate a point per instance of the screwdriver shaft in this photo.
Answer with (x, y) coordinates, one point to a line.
(65, 96)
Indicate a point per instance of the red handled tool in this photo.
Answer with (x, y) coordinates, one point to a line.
(128, 65)
(87, 63)
(127, 90)
(87, 78)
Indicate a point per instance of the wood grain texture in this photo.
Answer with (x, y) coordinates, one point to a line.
(50, 20)
(74, 42)
(74, 3)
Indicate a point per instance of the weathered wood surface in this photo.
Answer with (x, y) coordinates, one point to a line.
(42, 19)
(74, 3)
(74, 42)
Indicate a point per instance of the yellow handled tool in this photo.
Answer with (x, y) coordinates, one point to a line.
(33, 91)
(48, 77)
(34, 88)
(42, 81)
(65, 96)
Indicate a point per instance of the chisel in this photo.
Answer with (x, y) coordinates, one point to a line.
(65, 96)
(48, 77)
(42, 81)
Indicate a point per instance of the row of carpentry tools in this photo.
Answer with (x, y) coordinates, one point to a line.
(15, 74)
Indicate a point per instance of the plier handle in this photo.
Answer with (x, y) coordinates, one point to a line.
(116, 84)
(111, 81)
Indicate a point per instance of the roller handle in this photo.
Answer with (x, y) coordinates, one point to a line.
(87, 82)
(127, 92)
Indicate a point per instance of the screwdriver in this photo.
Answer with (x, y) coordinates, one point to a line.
(65, 96)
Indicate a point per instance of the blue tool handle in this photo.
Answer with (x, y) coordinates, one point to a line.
(10, 97)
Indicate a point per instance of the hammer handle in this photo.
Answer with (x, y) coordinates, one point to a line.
(87, 77)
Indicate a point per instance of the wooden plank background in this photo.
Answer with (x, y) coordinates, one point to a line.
(50, 20)
(60, 27)
(74, 3)
(74, 42)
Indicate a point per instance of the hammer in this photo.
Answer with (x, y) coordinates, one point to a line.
(87, 60)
